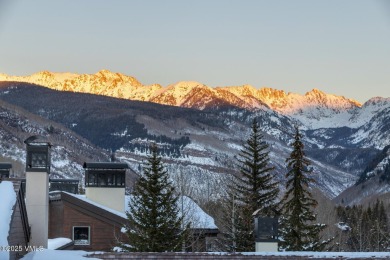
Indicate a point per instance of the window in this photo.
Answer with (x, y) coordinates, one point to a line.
(81, 236)
(91, 179)
(106, 178)
(102, 180)
(38, 160)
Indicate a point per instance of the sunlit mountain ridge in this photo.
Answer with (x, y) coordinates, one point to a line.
(315, 109)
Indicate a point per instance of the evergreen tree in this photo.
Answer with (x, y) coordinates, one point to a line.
(253, 192)
(299, 229)
(154, 221)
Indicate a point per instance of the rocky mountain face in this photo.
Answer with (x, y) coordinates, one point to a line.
(192, 94)
(373, 183)
(200, 129)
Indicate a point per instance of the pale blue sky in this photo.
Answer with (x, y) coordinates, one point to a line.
(338, 46)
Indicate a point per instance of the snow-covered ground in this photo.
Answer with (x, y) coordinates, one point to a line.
(8, 200)
(58, 242)
(81, 255)
(337, 255)
(47, 254)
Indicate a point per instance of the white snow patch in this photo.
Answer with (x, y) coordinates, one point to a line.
(343, 226)
(54, 243)
(60, 163)
(48, 254)
(234, 146)
(8, 200)
(195, 146)
(197, 160)
(117, 249)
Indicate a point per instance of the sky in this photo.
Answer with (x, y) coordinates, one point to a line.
(341, 47)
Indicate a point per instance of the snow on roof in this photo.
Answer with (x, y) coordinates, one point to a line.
(58, 242)
(8, 200)
(83, 198)
(48, 254)
(193, 213)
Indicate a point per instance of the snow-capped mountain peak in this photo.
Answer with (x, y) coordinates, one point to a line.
(315, 109)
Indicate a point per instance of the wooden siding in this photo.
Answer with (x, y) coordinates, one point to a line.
(70, 212)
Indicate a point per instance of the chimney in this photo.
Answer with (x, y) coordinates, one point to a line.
(105, 184)
(37, 189)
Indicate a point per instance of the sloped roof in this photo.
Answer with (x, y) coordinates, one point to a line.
(193, 214)
(89, 207)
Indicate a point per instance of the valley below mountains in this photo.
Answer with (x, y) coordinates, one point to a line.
(199, 130)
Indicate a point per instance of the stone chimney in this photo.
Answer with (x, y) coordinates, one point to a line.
(105, 184)
(37, 189)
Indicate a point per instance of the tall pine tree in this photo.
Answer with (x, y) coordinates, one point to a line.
(154, 220)
(253, 192)
(299, 229)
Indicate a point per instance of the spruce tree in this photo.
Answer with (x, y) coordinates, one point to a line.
(154, 220)
(253, 192)
(299, 229)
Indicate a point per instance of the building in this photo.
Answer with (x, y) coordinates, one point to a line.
(15, 228)
(94, 220)
(91, 226)
(48, 209)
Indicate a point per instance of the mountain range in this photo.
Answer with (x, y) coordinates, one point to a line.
(202, 128)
